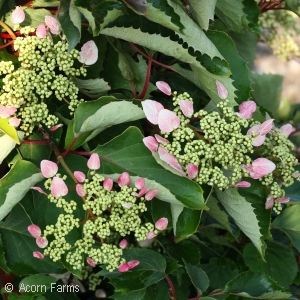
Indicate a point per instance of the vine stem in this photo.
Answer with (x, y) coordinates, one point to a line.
(172, 293)
(217, 294)
(70, 147)
(11, 33)
(197, 297)
(7, 44)
(144, 91)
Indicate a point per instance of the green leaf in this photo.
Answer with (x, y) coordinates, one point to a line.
(267, 91)
(16, 183)
(45, 3)
(150, 270)
(3, 262)
(203, 11)
(9, 130)
(220, 271)
(238, 67)
(277, 258)
(19, 244)
(198, 277)
(127, 152)
(7, 144)
(38, 282)
(70, 29)
(184, 250)
(252, 11)
(94, 88)
(292, 5)
(288, 222)
(244, 215)
(138, 6)
(293, 191)
(219, 214)
(134, 295)
(255, 285)
(231, 14)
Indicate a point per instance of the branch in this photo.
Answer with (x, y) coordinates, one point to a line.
(172, 293)
(144, 91)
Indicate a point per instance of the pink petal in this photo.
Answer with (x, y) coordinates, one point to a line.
(7, 111)
(40, 190)
(14, 121)
(269, 202)
(263, 166)
(123, 267)
(151, 235)
(296, 174)
(164, 87)
(94, 162)
(151, 143)
(192, 170)
(52, 24)
(247, 108)
(142, 192)
(80, 190)
(283, 200)
(160, 139)
(58, 187)
(54, 128)
(124, 179)
(127, 205)
(108, 184)
(243, 184)
(48, 168)
(170, 159)
(38, 255)
(90, 262)
(254, 129)
(187, 107)
(286, 129)
(80, 176)
(151, 109)
(168, 121)
(150, 195)
(34, 230)
(258, 140)
(41, 242)
(17, 16)
(41, 32)
(266, 127)
(89, 53)
(139, 183)
(133, 263)
(222, 91)
(161, 224)
(123, 244)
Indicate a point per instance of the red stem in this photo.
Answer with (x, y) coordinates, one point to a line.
(217, 294)
(81, 153)
(32, 142)
(172, 293)
(144, 91)
(197, 297)
(70, 147)
(132, 89)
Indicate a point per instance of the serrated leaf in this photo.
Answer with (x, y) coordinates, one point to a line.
(70, 29)
(127, 152)
(255, 285)
(150, 270)
(231, 14)
(197, 276)
(243, 214)
(288, 222)
(203, 11)
(9, 130)
(94, 88)
(16, 183)
(87, 14)
(221, 216)
(220, 271)
(45, 3)
(252, 13)
(277, 258)
(7, 144)
(138, 6)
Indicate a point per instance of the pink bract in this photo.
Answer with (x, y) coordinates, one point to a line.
(139, 183)
(41, 242)
(243, 184)
(52, 24)
(7, 111)
(266, 127)
(124, 179)
(40, 190)
(161, 224)
(269, 202)
(34, 230)
(160, 139)
(41, 31)
(38, 255)
(283, 200)
(58, 187)
(80, 190)
(286, 129)
(151, 109)
(54, 128)
(151, 143)
(48, 168)
(123, 267)
(192, 170)
(89, 53)
(150, 195)
(260, 167)
(108, 184)
(133, 263)
(222, 91)
(90, 262)
(151, 235)
(94, 162)
(187, 107)
(17, 16)
(247, 108)
(14, 121)
(123, 244)
(80, 176)
(168, 121)
(164, 87)
(170, 159)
